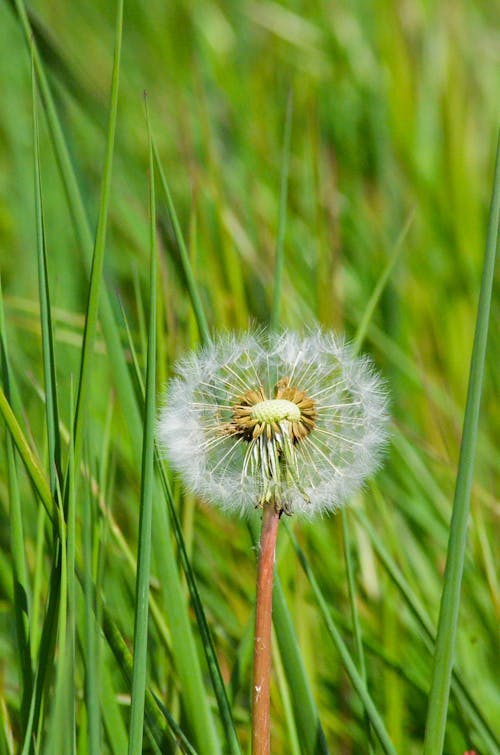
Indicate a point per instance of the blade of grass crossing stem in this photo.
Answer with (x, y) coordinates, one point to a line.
(459, 689)
(312, 738)
(20, 583)
(83, 233)
(49, 367)
(98, 255)
(279, 260)
(349, 665)
(146, 497)
(450, 598)
(192, 286)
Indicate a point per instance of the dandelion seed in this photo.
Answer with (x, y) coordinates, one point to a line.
(253, 419)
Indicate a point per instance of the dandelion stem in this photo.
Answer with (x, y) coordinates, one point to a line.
(261, 718)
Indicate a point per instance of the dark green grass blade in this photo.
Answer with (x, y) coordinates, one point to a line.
(20, 582)
(356, 624)
(49, 363)
(192, 286)
(279, 261)
(90, 630)
(156, 715)
(450, 598)
(349, 665)
(146, 497)
(312, 738)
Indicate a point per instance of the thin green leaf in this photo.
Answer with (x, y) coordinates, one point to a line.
(450, 599)
(49, 364)
(349, 665)
(192, 286)
(21, 587)
(279, 260)
(146, 500)
(33, 468)
(98, 255)
(459, 688)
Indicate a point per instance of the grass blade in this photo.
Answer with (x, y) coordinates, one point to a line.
(146, 502)
(98, 256)
(49, 364)
(349, 665)
(192, 286)
(279, 261)
(21, 588)
(450, 598)
(459, 689)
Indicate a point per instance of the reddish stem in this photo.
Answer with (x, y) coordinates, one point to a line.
(261, 717)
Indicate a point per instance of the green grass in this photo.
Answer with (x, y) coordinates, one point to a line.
(304, 162)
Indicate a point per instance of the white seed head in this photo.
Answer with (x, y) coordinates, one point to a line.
(255, 418)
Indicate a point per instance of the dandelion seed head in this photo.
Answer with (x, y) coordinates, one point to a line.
(299, 421)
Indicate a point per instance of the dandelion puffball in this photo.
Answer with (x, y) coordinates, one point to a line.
(257, 418)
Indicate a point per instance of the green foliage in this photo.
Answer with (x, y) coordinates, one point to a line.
(307, 161)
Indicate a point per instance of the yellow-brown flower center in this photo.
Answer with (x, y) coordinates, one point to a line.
(256, 414)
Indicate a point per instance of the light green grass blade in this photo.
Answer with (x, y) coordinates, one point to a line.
(381, 284)
(279, 261)
(459, 688)
(33, 467)
(450, 598)
(357, 343)
(146, 499)
(192, 286)
(349, 665)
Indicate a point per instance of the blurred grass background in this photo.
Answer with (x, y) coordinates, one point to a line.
(395, 111)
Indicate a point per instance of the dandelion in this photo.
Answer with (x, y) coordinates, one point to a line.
(265, 417)
(279, 422)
